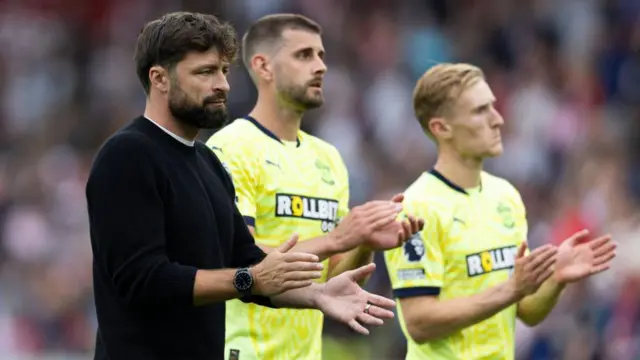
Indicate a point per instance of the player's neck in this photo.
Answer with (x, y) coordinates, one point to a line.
(283, 122)
(162, 116)
(464, 172)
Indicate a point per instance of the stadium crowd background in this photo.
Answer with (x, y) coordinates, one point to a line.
(566, 73)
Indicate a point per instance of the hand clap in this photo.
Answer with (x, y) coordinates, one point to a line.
(532, 270)
(282, 270)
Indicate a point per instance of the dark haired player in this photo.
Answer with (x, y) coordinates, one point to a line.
(169, 245)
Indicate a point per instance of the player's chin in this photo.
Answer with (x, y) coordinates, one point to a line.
(495, 151)
(313, 101)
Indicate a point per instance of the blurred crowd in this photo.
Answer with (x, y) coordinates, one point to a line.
(566, 73)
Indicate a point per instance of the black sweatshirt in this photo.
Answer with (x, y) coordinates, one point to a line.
(159, 210)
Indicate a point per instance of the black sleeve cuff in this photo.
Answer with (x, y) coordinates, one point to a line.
(416, 291)
(259, 300)
(250, 221)
(182, 280)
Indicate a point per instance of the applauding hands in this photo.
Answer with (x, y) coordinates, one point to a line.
(575, 259)
(375, 225)
(345, 301)
(282, 270)
(531, 271)
(578, 257)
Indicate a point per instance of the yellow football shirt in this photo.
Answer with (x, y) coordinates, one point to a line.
(282, 188)
(468, 245)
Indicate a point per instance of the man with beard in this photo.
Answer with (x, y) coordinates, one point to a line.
(287, 180)
(169, 245)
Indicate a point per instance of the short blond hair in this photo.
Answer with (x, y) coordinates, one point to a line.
(440, 87)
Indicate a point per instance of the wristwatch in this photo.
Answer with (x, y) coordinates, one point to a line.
(243, 281)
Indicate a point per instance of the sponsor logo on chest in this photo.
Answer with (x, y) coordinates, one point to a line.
(310, 208)
(491, 260)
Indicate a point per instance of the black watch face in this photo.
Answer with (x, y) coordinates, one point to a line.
(243, 280)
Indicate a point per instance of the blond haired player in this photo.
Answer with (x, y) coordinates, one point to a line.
(463, 280)
(288, 181)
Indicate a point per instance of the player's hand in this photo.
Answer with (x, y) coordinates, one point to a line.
(344, 300)
(579, 257)
(282, 270)
(532, 270)
(362, 221)
(395, 233)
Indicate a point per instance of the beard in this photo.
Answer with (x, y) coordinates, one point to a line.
(299, 97)
(200, 116)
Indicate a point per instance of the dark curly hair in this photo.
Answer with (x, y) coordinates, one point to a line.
(167, 40)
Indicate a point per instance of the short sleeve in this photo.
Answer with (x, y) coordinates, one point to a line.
(244, 174)
(417, 268)
(343, 193)
(519, 217)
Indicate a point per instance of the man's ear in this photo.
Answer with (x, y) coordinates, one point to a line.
(440, 128)
(261, 67)
(159, 78)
